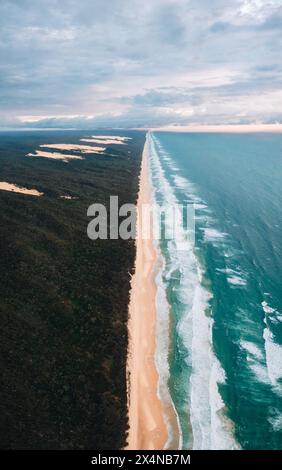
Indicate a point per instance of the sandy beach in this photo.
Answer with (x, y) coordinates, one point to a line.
(146, 419)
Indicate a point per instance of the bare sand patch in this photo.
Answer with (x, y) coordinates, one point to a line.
(17, 189)
(111, 137)
(74, 147)
(55, 156)
(104, 141)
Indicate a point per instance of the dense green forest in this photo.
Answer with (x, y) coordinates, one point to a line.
(63, 297)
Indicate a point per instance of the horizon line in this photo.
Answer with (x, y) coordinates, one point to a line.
(208, 128)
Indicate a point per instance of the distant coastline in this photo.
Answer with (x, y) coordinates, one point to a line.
(219, 128)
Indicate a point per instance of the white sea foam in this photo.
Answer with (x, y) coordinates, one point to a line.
(255, 360)
(273, 353)
(201, 372)
(273, 350)
(210, 426)
(162, 364)
(236, 281)
(267, 309)
(252, 349)
(161, 184)
(271, 313)
(181, 182)
(162, 340)
(260, 372)
(185, 185)
(275, 420)
(213, 235)
(234, 276)
(173, 167)
(201, 206)
(222, 436)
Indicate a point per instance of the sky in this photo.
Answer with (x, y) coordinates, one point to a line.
(140, 63)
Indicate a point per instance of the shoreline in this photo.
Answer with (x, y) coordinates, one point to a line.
(147, 428)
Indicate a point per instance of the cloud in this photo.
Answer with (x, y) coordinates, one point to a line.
(121, 63)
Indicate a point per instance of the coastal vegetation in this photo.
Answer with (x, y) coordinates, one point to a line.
(64, 298)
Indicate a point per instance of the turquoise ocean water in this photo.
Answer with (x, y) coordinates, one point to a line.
(219, 330)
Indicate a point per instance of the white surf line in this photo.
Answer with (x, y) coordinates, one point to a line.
(171, 418)
(273, 352)
(18, 189)
(74, 147)
(163, 319)
(211, 428)
(54, 156)
(174, 440)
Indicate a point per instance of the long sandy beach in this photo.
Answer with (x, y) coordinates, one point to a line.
(146, 419)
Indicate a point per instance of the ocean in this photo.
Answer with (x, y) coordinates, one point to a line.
(219, 301)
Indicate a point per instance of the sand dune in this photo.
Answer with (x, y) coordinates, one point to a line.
(111, 137)
(104, 141)
(17, 189)
(55, 156)
(74, 147)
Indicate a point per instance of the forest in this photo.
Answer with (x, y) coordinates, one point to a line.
(63, 297)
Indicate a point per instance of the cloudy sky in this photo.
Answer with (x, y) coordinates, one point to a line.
(140, 63)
